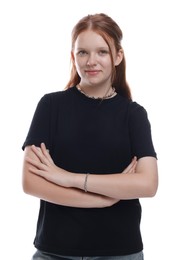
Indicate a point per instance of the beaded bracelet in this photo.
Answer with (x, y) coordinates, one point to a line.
(85, 182)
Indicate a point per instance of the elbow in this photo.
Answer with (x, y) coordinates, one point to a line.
(152, 192)
(25, 186)
(25, 190)
(151, 189)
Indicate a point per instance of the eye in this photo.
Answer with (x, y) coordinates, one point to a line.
(103, 52)
(82, 53)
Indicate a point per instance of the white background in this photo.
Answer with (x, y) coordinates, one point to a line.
(34, 60)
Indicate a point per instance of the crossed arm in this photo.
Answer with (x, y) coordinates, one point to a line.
(43, 179)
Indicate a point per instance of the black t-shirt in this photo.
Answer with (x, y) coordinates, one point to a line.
(87, 135)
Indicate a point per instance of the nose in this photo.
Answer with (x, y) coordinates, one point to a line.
(91, 61)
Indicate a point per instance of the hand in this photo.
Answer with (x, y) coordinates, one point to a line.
(131, 167)
(45, 167)
(108, 201)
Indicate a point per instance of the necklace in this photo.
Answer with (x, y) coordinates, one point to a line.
(112, 94)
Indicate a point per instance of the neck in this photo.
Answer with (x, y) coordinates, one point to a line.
(110, 92)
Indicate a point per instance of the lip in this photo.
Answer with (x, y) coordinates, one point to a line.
(92, 72)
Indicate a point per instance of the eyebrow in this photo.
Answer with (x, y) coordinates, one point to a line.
(99, 48)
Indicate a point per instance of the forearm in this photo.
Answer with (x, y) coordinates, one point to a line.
(118, 186)
(138, 180)
(48, 190)
(139, 184)
(72, 197)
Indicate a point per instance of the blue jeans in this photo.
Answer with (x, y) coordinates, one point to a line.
(40, 255)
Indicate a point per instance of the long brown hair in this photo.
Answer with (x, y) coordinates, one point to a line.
(111, 33)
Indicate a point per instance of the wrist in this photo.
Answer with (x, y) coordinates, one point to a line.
(78, 180)
(85, 182)
(67, 178)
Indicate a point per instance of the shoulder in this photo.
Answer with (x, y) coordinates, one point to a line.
(57, 96)
(138, 115)
(136, 109)
(132, 107)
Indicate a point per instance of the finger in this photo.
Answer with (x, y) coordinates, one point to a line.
(128, 168)
(40, 155)
(43, 148)
(133, 162)
(131, 166)
(38, 172)
(36, 164)
(133, 169)
(45, 151)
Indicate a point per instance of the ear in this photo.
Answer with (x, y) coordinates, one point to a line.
(119, 57)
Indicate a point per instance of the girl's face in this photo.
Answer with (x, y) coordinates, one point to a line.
(91, 56)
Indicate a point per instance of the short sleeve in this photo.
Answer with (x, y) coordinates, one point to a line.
(39, 130)
(140, 132)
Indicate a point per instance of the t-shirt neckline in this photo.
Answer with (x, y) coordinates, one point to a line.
(92, 100)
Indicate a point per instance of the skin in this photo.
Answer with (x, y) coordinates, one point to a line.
(91, 56)
(43, 179)
(36, 185)
(139, 179)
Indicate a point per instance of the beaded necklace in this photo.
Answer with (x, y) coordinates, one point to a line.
(112, 94)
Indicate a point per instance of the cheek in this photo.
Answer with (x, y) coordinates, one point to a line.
(79, 67)
(108, 65)
(106, 62)
(79, 63)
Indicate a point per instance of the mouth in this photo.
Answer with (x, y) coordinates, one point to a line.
(92, 72)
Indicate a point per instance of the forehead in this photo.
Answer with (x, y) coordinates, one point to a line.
(89, 39)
